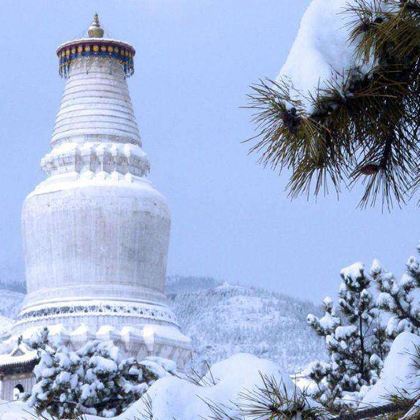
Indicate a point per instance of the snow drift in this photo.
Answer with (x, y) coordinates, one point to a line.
(400, 375)
(175, 397)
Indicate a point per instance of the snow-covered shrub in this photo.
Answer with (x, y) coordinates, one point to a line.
(93, 380)
(354, 338)
(399, 298)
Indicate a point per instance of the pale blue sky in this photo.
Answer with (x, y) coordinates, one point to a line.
(195, 60)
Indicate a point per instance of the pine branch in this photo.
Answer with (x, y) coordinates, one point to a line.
(363, 126)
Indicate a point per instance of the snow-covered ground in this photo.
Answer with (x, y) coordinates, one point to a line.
(400, 374)
(174, 397)
(180, 398)
(177, 398)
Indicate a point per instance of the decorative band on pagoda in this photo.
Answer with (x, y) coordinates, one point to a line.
(119, 51)
(145, 311)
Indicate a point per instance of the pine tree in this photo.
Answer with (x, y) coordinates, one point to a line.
(364, 124)
(398, 298)
(355, 341)
(93, 380)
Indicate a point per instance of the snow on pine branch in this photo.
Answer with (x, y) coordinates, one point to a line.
(321, 48)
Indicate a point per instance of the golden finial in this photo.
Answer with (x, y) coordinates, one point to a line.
(95, 30)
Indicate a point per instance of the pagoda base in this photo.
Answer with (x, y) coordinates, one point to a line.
(137, 330)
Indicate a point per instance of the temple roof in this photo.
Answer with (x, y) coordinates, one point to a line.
(21, 359)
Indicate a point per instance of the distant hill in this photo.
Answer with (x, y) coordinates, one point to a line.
(10, 302)
(5, 324)
(223, 319)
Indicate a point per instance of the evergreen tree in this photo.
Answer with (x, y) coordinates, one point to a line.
(93, 380)
(398, 298)
(363, 124)
(355, 341)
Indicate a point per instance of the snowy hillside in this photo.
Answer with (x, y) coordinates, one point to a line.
(5, 324)
(9, 302)
(9, 305)
(223, 320)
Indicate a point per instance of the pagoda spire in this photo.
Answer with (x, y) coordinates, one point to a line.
(95, 30)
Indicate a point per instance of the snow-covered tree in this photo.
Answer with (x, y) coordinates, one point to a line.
(399, 298)
(355, 340)
(93, 380)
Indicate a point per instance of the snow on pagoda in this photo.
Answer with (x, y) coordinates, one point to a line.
(95, 232)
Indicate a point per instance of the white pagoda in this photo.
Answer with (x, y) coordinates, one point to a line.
(95, 232)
